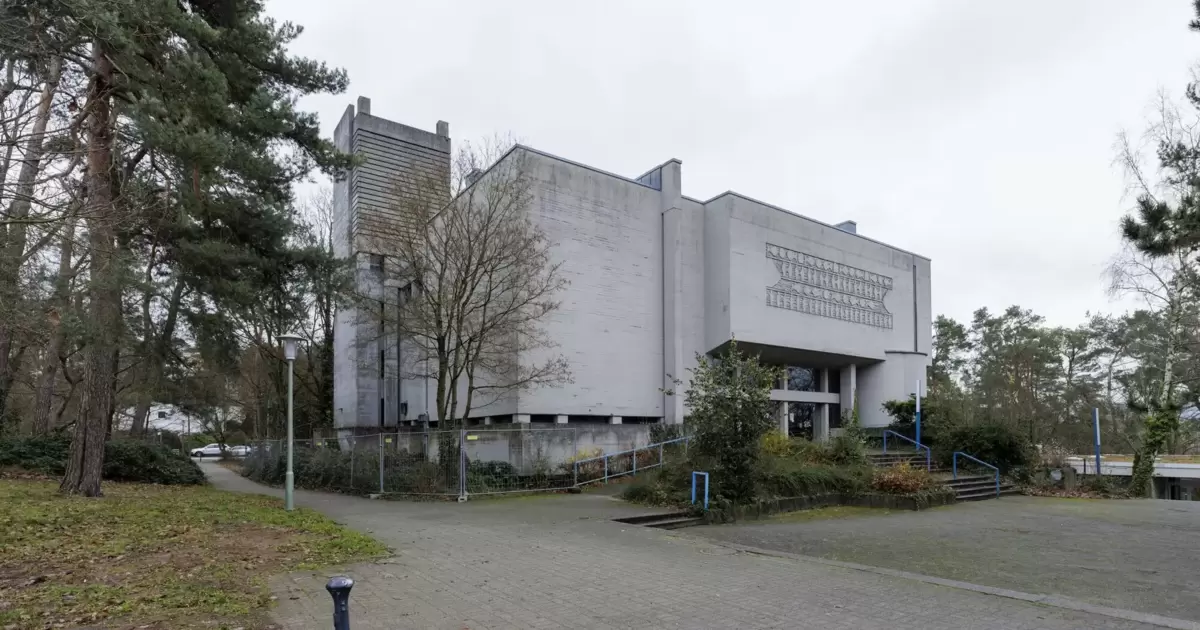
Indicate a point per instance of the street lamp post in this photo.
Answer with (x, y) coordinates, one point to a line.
(290, 341)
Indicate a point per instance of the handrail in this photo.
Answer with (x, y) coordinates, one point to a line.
(633, 469)
(977, 461)
(928, 453)
(634, 450)
(696, 473)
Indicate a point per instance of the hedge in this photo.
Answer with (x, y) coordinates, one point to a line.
(124, 460)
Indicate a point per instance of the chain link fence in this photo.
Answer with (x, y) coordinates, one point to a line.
(459, 463)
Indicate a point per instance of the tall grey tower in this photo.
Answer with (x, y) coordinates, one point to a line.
(367, 391)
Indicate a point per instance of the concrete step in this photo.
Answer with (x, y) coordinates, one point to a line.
(895, 461)
(676, 523)
(666, 520)
(975, 485)
(645, 519)
(965, 479)
(990, 493)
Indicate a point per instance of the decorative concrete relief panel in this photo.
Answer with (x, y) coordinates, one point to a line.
(824, 288)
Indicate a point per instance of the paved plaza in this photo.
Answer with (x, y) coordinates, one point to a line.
(559, 561)
(1140, 555)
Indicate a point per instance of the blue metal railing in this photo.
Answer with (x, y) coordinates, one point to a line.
(977, 461)
(928, 453)
(632, 454)
(696, 473)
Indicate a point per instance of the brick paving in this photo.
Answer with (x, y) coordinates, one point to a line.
(558, 562)
(1138, 554)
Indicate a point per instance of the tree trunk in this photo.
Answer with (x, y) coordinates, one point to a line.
(115, 361)
(86, 460)
(44, 393)
(13, 251)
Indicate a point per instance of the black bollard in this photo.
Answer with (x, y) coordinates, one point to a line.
(339, 587)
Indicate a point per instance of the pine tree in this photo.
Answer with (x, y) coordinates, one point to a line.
(193, 144)
(1166, 226)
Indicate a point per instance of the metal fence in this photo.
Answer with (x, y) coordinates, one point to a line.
(474, 461)
(612, 465)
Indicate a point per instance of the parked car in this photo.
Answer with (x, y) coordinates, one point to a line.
(212, 450)
(240, 450)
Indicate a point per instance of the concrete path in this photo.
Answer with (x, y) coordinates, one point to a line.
(557, 561)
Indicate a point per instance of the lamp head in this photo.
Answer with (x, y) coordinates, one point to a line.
(290, 342)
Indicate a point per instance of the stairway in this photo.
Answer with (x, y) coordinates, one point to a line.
(979, 487)
(670, 520)
(895, 458)
(966, 487)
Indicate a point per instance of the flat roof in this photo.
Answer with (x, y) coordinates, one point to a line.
(714, 198)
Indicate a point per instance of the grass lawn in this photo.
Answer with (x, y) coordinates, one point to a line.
(154, 556)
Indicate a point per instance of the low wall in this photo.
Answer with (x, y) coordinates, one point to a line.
(767, 507)
(527, 447)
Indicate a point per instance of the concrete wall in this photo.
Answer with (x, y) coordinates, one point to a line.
(655, 278)
(345, 331)
(692, 335)
(835, 265)
(608, 235)
(391, 150)
(894, 379)
(398, 160)
(524, 446)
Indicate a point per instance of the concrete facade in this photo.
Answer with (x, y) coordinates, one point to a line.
(657, 278)
(367, 389)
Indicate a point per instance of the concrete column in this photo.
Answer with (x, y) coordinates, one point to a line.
(849, 387)
(672, 289)
(614, 420)
(821, 419)
(560, 419)
(521, 418)
(821, 423)
(781, 414)
(487, 420)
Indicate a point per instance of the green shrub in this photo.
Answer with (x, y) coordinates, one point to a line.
(669, 484)
(789, 477)
(491, 469)
(46, 454)
(662, 432)
(995, 444)
(846, 450)
(124, 460)
(776, 444)
(809, 451)
(730, 399)
(358, 471)
(901, 479)
(145, 462)
(935, 422)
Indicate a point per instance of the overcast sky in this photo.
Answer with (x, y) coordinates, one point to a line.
(979, 134)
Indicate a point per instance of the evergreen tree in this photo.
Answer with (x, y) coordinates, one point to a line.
(193, 144)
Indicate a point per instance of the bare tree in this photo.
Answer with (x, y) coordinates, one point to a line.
(54, 352)
(1168, 289)
(478, 280)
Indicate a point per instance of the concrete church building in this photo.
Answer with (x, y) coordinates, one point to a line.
(655, 278)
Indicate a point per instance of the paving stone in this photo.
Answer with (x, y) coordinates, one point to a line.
(560, 562)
